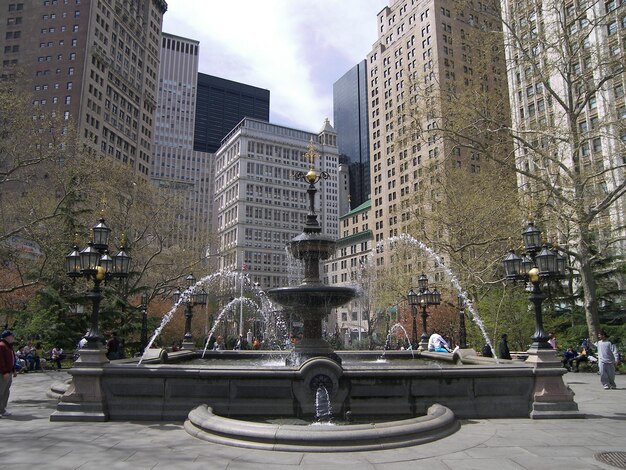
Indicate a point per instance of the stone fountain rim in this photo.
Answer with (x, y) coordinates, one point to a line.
(439, 422)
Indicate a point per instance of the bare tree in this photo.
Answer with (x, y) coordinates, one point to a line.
(567, 139)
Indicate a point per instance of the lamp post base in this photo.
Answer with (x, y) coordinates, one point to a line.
(542, 357)
(85, 401)
(188, 345)
(551, 397)
(92, 357)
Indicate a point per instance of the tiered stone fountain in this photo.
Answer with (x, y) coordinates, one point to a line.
(312, 300)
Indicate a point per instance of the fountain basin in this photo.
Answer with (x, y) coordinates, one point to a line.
(402, 388)
(312, 299)
(439, 422)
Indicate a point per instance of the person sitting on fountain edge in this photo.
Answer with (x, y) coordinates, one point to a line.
(436, 343)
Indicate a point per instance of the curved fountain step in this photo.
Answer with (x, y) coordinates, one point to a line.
(438, 423)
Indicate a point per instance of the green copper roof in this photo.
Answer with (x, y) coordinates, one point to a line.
(366, 205)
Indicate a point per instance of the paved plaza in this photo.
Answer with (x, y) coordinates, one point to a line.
(28, 440)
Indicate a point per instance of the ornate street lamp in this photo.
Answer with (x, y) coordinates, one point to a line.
(191, 297)
(94, 263)
(413, 301)
(538, 263)
(144, 321)
(462, 330)
(424, 298)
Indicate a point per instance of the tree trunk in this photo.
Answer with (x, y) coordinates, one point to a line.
(588, 283)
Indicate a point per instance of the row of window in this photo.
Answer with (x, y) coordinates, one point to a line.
(53, 16)
(48, 3)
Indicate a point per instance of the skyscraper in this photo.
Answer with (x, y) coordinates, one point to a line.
(220, 105)
(176, 167)
(422, 57)
(351, 123)
(95, 62)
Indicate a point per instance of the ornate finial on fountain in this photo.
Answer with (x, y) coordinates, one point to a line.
(310, 154)
(311, 176)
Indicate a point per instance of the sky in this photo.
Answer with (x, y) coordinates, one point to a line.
(296, 49)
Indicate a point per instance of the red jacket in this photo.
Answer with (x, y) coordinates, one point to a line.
(7, 357)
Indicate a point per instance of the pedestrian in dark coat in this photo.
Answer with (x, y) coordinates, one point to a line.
(7, 369)
(504, 348)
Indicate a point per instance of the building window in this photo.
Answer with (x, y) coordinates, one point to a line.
(612, 28)
(597, 145)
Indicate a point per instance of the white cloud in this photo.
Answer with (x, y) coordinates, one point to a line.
(296, 49)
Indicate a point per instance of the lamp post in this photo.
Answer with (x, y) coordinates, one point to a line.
(425, 298)
(462, 330)
(413, 300)
(94, 263)
(191, 297)
(144, 321)
(538, 263)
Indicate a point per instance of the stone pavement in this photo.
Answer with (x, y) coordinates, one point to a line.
(28, 439)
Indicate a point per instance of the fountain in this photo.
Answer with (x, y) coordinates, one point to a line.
(311, 247)
(234, 398)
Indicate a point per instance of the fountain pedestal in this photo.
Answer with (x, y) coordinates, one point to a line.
(309, 348)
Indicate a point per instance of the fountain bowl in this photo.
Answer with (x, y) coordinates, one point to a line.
(312, 246)
(312, 297)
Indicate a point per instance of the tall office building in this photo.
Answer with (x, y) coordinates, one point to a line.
(177, 168)
(420, 54)
(348, 267)
(95, 62)
(220, 105)
(260, 205)
(578, 49)
(351, 123)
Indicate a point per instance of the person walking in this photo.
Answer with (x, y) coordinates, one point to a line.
(7, 369)
(608, 358)
(503, 347)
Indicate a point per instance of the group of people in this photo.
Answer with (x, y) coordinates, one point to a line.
(573, 358)
(240, 343)
(503, 348)
(29, 357)
(608, 359)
